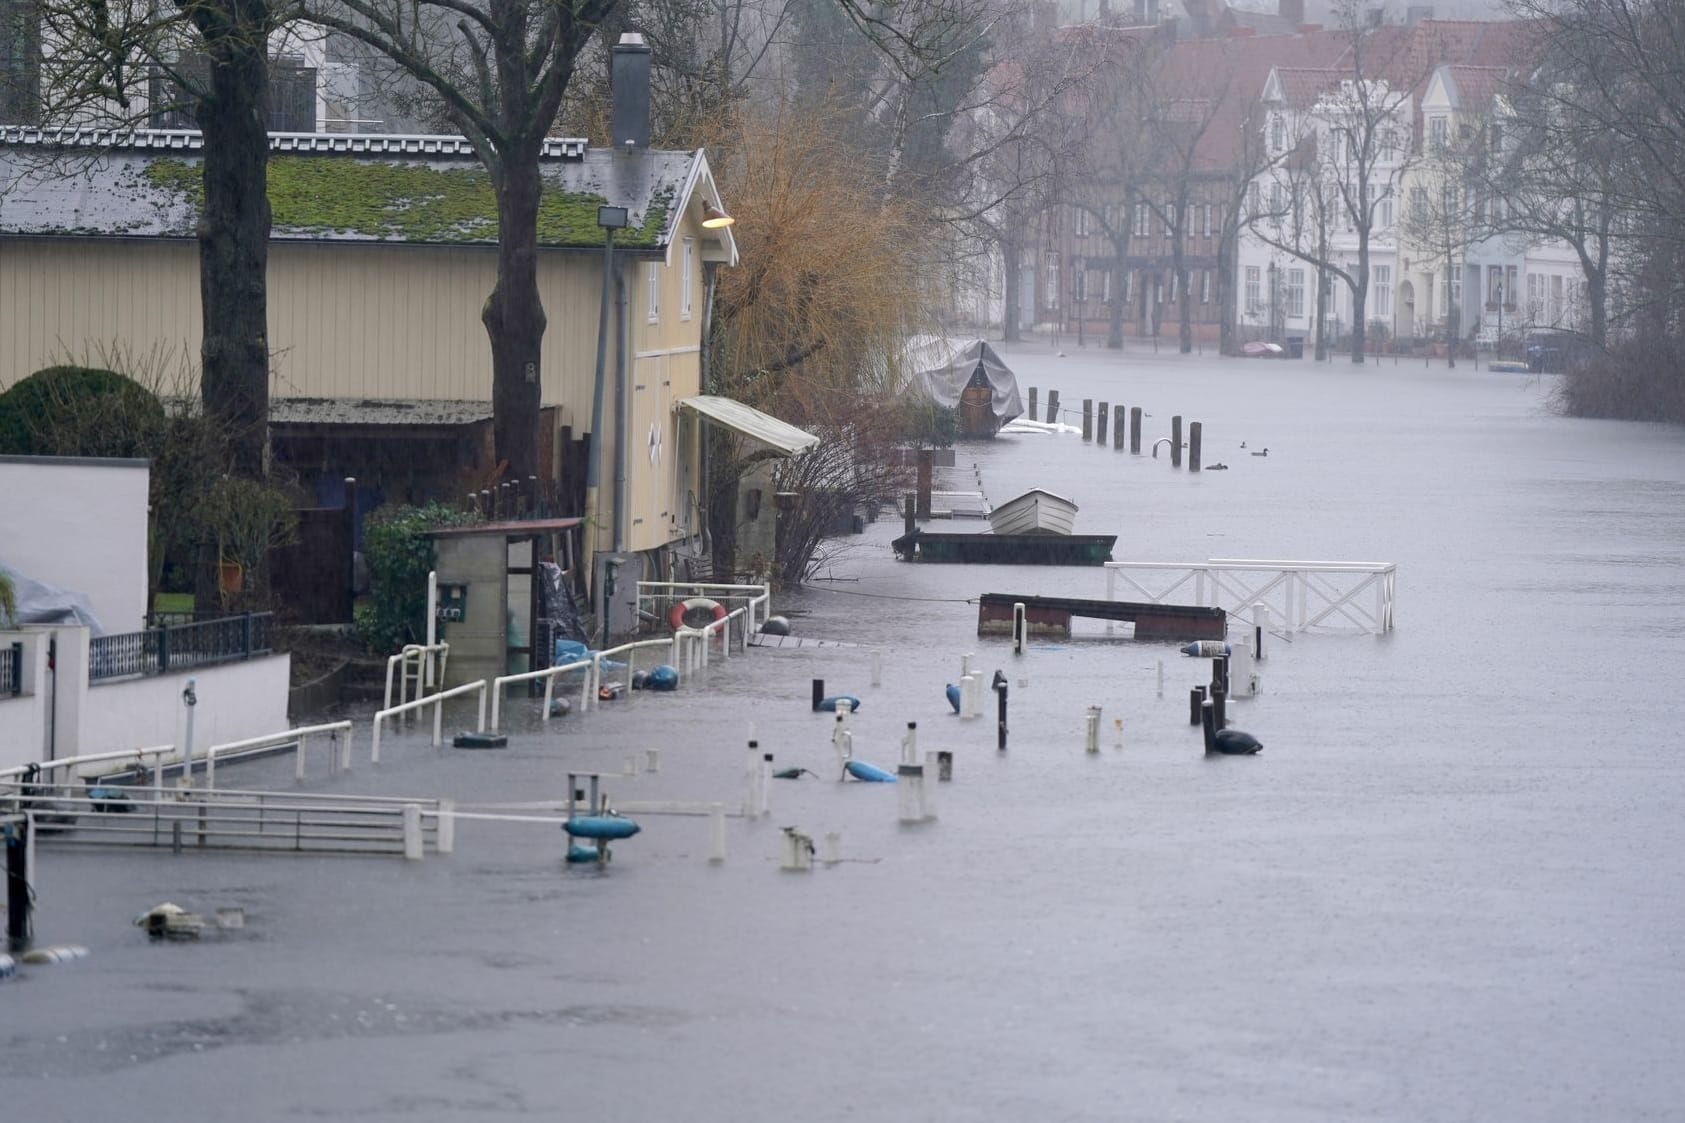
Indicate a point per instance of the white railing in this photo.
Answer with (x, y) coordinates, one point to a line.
(1302, 594)
(416, 663)
(339, 748)
(549, 675)
(757, 599)
(437, 702)
(630, 650)
(163, 756)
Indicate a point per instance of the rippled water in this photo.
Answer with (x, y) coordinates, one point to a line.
(1450, 888)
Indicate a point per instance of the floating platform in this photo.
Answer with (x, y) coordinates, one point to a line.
(1051, 616)
(1006, 549)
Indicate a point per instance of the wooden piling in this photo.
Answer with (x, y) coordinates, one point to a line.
(909, 507)
(1087, 419)
(1176, 441)
(925, 471)
(1118, 433)
(1053, 405)
(1101, 416)
(1193, 446)
(1196, 699)
(818, 697)
(1032, 413)
(1135, 430)
(1208, 719)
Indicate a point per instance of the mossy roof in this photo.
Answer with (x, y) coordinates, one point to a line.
(434, 200)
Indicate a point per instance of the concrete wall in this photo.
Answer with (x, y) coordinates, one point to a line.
(479, 640)
(23, 718)
(79, 524)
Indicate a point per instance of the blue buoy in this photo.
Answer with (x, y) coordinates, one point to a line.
(953, 693)
(662, 677)
(600, 826)
(869, 773)
(1232, 742)
(578, 854)
(831, 702)
(1206, 648)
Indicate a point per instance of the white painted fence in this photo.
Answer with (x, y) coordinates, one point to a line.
(1304, 595)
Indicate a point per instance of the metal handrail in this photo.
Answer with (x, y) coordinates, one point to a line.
(295, 737)
(549, 675)
(437, 702)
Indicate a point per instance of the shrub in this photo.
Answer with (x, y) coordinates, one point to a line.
(399, 555)
(79, 411)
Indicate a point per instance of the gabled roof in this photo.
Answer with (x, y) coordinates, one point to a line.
(427, 190)
(1299, 87)
(1472, 88)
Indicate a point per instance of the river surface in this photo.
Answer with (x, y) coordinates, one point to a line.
(1450, 888)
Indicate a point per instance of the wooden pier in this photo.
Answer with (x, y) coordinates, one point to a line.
(1051, 616)
(1006, 549)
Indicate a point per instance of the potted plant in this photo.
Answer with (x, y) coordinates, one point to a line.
(245, 520)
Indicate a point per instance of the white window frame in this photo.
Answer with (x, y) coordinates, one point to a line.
(1296, 292)
(1382, 278)
(1254, 288)
(1208, 220)
(1205, 286)
(652, 286)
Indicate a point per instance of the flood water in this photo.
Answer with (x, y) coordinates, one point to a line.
(1449, 888)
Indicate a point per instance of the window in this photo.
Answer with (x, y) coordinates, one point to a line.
(1455, 312)
(1140, 220)
(1106, 286)
(1534, 306)
(1448, 200)
(1295, 292)
(1278, 134)
(1556, 298)
(1386, 213)
(1510, 295)
(1128, 285)
(1053, 280)
(1081, 223)
(1278, 200)
(1383, 291)
(1205, 286)
(1208, 220)
(1252, 207)
(1169, 209)
(1253, 296)
(652, 285)
(1495, 137)
(1418, 205)
(1336, 146)
(1389, 143)
(1494, 286)
(1439, 131)
(1175, 286)
(690, 267)
(1079, 281)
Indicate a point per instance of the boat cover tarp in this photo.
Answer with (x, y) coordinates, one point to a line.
(41, 603)
(941, 367)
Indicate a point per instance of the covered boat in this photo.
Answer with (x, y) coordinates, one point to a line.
(1037, 511)
(963, 375)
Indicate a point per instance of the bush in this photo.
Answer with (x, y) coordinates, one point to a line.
(399, 556)
(1639, 380)
(80, 411)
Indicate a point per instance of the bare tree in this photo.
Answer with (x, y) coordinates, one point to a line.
(215, 58)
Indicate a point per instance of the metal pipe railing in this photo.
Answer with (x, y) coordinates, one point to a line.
(338, 761)
(549, 675)
(437, 702)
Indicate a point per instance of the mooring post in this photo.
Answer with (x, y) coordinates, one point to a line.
(1193, 446)
(1196, 698)
(877, 667)
(412, 832)
(1087, 419)
(1053, 405)
(1032, 403)
(1091, 738)
(766, 784)
(1000, 710)
(925, 462)
(1208, 719)
(716, 833)
(1260, 617)
(909, 780)
(1176, 441)
(818, 697)
(18, 873)
(1135, 429)
(1219, 700)
(1020, 626)
(1119, 413)
(1101, 416)
(910, 743)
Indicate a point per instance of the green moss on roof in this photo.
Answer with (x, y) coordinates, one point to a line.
(410, 202)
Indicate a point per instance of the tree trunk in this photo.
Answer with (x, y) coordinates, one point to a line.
(1114, 307)
(515, 320)
(1010, 264)
(234, 233)
(1225, 294)
(1360, 297)
(1321, 315)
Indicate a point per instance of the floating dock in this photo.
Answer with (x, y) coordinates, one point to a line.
(1051, 616)
(1006, 549)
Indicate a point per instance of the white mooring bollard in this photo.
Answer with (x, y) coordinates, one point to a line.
(1092, 741)
(968, 696)
(752, 805)
(766, 785)
(877, 667)
(447, 826)
(932, 769)
(716, 833)
(1260, 621)
(1243, 678)
(965, 664)
(909, 782)
(795, 851)
(910, 744)
(1117, 733)
(412, 832)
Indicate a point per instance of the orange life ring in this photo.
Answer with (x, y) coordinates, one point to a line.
(685, 611)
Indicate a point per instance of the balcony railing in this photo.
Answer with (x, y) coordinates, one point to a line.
(180, 646)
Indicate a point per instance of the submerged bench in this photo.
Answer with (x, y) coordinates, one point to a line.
(1052, 616)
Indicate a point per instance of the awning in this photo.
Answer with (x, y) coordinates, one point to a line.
(752, 423)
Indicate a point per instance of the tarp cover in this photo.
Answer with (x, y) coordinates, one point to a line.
(41, 603)
(941, 367)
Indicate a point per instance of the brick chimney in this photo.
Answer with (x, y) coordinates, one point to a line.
(1293, 11)
(629, 83)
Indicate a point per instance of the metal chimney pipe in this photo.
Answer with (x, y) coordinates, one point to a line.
(629, 81)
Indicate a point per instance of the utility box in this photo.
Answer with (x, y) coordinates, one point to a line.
(615, 591)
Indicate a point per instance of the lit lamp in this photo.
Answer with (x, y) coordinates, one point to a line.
(715, 219)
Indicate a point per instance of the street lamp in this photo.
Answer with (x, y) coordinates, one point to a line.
(1499, 347)
(715, 219)
(610, 219)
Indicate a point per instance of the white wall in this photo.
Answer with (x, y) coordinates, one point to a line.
(79, 524)
(236, 701)
(23, 718)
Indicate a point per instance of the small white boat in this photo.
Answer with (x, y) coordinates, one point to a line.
(1037, 511)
